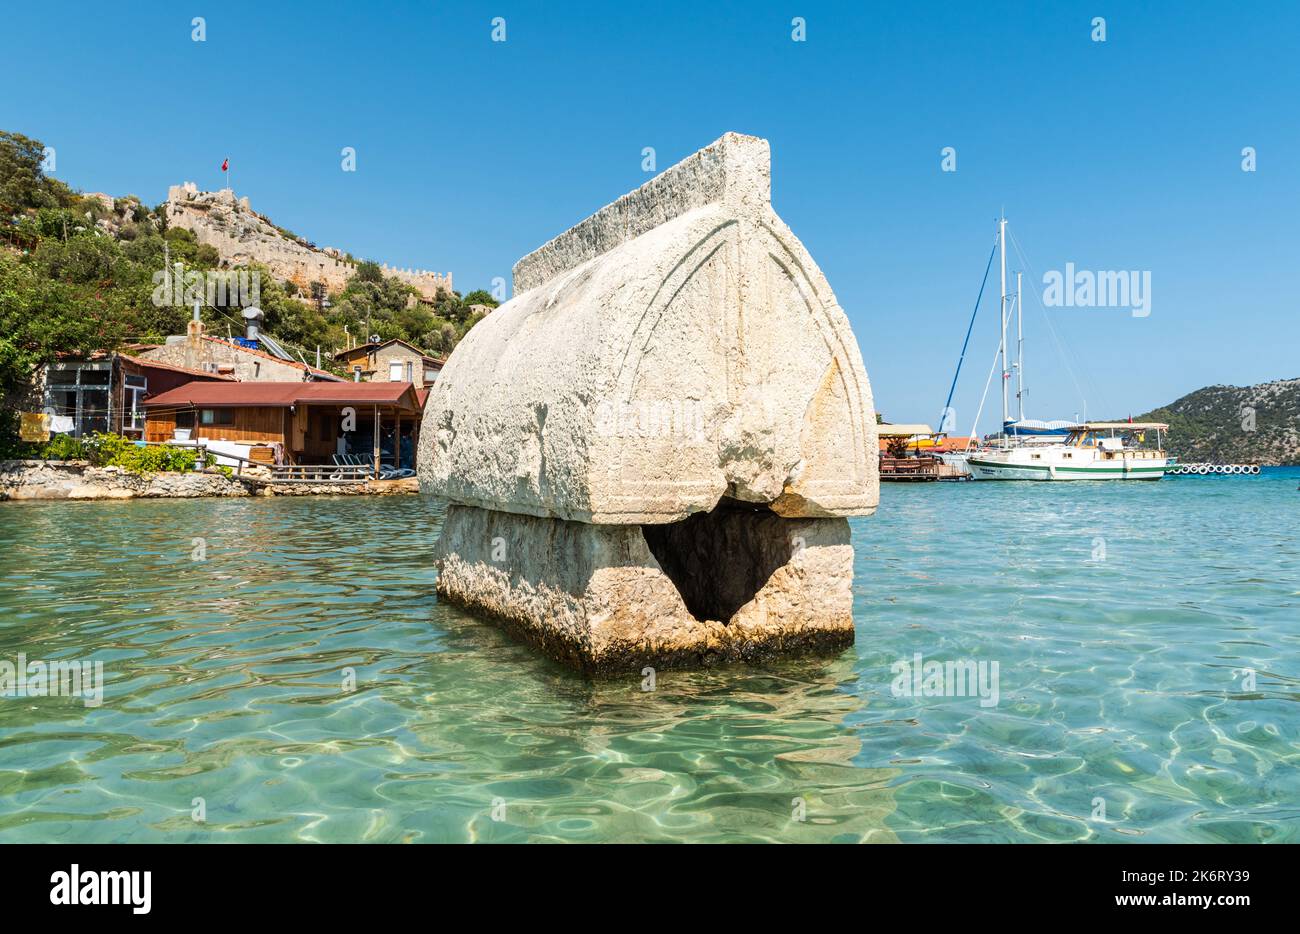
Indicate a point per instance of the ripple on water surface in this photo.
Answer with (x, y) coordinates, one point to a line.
(1124, 619)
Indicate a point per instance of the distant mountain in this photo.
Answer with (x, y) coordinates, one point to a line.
(1235, 424)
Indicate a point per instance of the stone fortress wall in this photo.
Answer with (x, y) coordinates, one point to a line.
(243, 236)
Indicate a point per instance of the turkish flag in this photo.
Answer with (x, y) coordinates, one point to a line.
(225, 164)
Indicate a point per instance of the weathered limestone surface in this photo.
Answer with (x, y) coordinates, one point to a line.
(243, 236)
(652, 447)
(678, 346)
(596, 596)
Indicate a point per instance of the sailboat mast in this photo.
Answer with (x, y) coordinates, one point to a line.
(1020, 349)
(1002, 247)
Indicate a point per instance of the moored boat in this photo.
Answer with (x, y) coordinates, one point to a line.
(1091, 451)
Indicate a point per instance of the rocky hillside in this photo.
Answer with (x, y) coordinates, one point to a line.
(1235, 424)
(243, 238)
(83, 272)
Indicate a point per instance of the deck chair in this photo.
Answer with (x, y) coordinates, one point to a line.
(362, 466)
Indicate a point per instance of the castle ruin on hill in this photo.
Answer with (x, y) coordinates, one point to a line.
(242, 236)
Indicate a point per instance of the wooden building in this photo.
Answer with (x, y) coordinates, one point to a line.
(301, 422)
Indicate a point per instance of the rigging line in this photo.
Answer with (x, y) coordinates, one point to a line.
(970, 327)
(1061, 347)
(988, 382)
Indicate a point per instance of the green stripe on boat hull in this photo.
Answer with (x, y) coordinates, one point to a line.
(1072, 473)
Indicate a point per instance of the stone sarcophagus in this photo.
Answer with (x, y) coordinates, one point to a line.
(649, 452)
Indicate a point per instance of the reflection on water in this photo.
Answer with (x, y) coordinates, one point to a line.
(226, 677)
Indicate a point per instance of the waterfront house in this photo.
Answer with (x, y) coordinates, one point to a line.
(105, 391)
(391, 361)
(292, 422)
(233, 357)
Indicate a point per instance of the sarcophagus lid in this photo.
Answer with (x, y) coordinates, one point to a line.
(677, 347)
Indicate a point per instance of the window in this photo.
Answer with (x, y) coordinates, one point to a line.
(216, 416)
(136, 388)
(79, 395)
(395, 371)
(410, 371)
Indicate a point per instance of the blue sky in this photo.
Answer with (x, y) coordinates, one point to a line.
(1122, 155)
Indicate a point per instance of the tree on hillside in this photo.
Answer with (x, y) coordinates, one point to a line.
(368, 271)
(480, 297)
(23, 183)
(77, 275)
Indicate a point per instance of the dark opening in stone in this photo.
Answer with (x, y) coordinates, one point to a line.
(718, 560)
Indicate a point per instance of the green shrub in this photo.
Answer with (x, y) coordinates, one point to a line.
(107, 450)
(119, 452)
(63, 448)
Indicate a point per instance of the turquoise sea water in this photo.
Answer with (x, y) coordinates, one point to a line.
(1125, 618)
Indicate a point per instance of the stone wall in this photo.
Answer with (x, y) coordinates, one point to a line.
(79, 480)
(396, 353)
(44, 480)
(242, 236)
(218, 356)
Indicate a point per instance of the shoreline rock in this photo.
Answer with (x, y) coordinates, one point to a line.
(78, 480)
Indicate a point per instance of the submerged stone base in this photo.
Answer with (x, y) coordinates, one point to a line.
(735, 584)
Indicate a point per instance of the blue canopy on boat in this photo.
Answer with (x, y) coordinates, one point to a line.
(1034, 426)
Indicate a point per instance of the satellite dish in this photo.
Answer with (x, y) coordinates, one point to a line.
(374, 338)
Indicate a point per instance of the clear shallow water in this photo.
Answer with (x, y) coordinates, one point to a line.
(1116, 677)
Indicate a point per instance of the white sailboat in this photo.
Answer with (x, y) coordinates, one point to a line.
(1026, 450)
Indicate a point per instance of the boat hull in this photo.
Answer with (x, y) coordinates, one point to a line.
(982, 469)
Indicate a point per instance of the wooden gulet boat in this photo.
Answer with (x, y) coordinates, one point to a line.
(1091, 451)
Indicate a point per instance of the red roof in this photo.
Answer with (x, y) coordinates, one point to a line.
(285, 394)
(158, 365)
